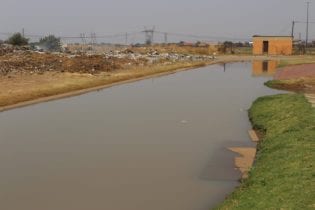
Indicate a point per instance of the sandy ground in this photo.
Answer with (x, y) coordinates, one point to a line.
(247, 155)
(246, 159)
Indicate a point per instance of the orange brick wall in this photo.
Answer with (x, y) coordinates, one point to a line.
(277, 45)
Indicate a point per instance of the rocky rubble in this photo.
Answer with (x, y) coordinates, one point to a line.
(25, 60)
(155, 56)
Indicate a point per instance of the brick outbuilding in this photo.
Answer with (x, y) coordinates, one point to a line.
(272, 45)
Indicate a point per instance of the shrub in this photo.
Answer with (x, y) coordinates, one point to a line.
(50, 43)
(17, 39)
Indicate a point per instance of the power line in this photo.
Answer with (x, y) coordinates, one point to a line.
(206, 37)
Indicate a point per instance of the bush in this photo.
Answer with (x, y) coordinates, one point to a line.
(50, 43)
(17, 39)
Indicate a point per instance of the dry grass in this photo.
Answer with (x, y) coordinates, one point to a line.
(297, 60)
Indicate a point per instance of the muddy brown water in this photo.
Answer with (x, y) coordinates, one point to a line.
(153, 144)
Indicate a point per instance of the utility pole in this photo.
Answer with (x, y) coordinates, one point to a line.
(292, 33)
(307, 23)
(165, 38)
(93, 39)
(83, 38)
(23, 32)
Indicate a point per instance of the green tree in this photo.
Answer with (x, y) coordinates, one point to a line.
(17, 39)
(50, 43)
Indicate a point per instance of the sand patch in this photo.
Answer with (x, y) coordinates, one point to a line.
(253, 136)
(246, 161)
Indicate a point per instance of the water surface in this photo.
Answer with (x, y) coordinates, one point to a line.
(154, 144)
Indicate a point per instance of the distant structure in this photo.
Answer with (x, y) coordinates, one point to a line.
(149, 34)
(272, 45)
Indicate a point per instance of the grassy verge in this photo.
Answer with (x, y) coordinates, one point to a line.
(283, 176)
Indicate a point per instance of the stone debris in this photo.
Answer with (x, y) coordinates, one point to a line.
(27, 60)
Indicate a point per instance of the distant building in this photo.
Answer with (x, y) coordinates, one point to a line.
(272, 45)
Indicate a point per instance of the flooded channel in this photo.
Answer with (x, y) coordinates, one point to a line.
(150, 145)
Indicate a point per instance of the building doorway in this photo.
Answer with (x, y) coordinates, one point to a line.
(265, 46)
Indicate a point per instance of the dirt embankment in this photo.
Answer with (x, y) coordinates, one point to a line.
(300, 78)
(31, 76)
(296, 72)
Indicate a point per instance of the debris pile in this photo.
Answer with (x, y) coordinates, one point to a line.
(33, 62)
(25, 60)
(6, 49)
(154, 56)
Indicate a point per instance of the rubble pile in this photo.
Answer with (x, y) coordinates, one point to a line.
(6, 49)
(25, 60)
(154, 56)
(34, 62)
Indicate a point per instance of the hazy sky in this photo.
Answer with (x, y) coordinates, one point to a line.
(227, 18)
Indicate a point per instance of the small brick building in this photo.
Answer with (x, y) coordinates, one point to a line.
(272, 45)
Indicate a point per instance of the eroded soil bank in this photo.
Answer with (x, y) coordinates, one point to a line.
(298, 78)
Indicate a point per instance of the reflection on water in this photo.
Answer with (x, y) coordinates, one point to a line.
(154, 144)
(264, 68)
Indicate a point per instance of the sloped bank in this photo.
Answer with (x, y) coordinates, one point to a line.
(283, 176)
(299, 78)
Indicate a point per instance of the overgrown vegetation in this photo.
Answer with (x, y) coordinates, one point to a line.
(50, 43)
(17, 39)
(284, 172)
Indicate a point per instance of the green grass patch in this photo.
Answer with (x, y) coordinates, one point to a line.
(283, 176)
